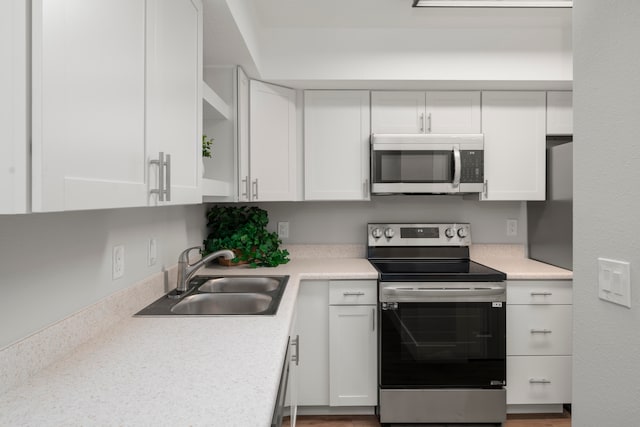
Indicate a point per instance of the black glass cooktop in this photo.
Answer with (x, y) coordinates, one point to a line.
(436, 270)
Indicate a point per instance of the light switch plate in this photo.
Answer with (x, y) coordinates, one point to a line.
(117, 262)
(614, 281)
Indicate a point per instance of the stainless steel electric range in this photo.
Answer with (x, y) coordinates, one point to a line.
(442, 339)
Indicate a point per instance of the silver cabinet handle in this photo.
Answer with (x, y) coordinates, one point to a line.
(457, 166)
(421, 122)
(255, 189)
(349, 293)
(366, 188)
(542, 294)
(429, 121)
(167, 176)
(485, 188)
(539, 381)
(373, 319)
(540, 331)
(296, 356)
(160, 191)
(245, 184)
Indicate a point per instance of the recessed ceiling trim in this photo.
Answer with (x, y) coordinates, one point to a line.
(492, 3)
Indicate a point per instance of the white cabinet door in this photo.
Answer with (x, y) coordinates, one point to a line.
(453, 112)
(353, 355)
(336, 145)
(14, 87)
(398, 112)
(88, 104)
(425, 112)
(244, 183)
(272, 136)
(174, 96)
(312, 327)
(539, 329)
(560, 113)
(533, 380)
(514, 130)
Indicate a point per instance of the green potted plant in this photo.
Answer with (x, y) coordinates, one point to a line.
(206, 146)
(243, 230)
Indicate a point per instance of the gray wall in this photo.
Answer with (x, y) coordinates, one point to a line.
(346, 222)
(54, 264)
(606, 374)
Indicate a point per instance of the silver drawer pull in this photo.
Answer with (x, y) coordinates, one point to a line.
(346, 294)
(540, 331)
(539, 381)
(541, 294)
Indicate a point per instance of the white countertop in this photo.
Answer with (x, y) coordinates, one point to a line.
(215, 371)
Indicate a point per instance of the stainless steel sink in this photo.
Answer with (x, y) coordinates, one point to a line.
(240, 284)
(222, 296)
(226, 303)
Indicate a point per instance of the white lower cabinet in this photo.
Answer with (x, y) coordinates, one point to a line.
(539, 345)
(337, 324)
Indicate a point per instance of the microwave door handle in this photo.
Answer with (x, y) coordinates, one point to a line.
(457, 166)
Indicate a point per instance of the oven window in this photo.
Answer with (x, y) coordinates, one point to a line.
(413, 166)
(443, 344)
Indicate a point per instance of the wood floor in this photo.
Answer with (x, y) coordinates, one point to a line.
(524, 420)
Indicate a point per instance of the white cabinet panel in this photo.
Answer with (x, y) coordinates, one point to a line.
(560, 113)
(312, 326)
(425, 112)
(539, 292)
(398, 112)
(272, 135)
(114, 83)
(538, 380)
(174, 94)
(453, 112)
(244, 191)
(514, 130)
(353, 292)
(539, 329)
(353, 360)
(88, 104)
(14, 104)
(336, 141)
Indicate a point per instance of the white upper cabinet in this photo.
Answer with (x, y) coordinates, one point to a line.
(560, 113)
(174, 96)
(92, 145)
(336, 145)
(272, 139)
(244, 183)
(425, 112)
(513, 124)
(14, 87)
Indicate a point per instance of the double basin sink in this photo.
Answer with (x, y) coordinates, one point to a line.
(223, 295)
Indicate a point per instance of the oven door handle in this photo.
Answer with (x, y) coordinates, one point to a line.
(442, 292)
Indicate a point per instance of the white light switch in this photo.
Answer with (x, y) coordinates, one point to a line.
(614, 281)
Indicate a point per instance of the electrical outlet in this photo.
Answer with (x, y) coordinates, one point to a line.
(283, 230)
(152, 252)
(117, 265)
(512, 227)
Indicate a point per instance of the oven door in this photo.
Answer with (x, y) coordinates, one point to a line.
(443, 344)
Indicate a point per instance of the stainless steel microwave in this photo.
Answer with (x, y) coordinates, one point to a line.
(427, 163)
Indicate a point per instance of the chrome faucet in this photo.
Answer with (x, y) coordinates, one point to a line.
(186, 270)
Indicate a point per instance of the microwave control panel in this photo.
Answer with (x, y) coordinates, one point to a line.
(472, 170)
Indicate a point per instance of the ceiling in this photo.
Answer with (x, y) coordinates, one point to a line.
(298, 40)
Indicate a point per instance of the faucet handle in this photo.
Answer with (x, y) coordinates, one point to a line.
(184, 255)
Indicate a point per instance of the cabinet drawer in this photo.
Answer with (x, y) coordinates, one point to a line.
(538, 379)
(539, 292)
(539, 329)
(353, 292)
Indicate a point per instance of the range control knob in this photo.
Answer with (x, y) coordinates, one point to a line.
(450, 233)
(377, 233)
(389, 233)
(463, 232)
